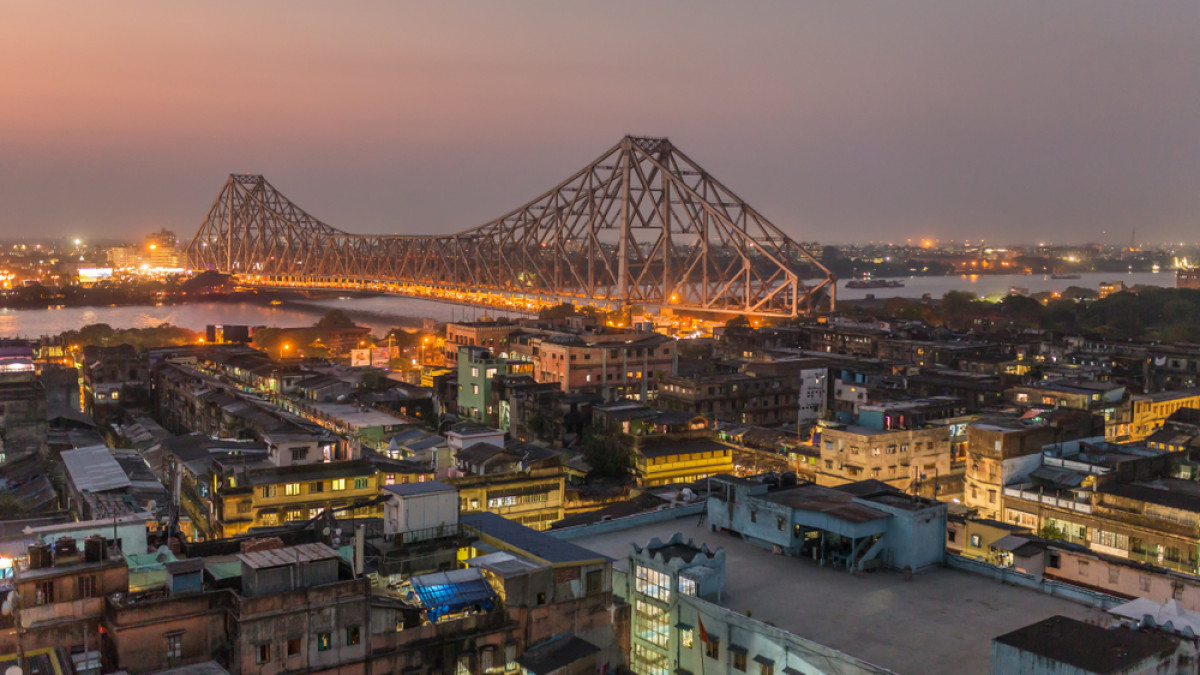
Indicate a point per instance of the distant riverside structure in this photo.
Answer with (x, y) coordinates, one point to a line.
(1188, 278)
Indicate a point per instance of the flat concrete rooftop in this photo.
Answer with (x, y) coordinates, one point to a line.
(942, 621)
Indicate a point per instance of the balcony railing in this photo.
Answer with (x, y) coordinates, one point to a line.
(1049, 500)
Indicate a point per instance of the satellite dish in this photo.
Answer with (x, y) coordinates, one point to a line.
(6, 608)
(325, 530)
(13, 670)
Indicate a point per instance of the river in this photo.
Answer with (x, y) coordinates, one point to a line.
(381, 313)
(990, 285)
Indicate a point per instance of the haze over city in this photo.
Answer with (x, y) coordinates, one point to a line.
(840, 122)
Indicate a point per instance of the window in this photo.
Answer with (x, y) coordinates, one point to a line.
(474, 389)
(753, 516)
(87, 586)
(293, 646)
(976, 540)
(352, 635)
(712, 648)
(687, 586)
(765, 668)
(1144, 583)
(651, 622)
(295, 514)
(316, 486)
(510, 656)
(739, 657)
(1054, 561)
(653, 583)
(687, 637)
(324, 641)
(264, 653)
(291, 489)
(174, 646)
(268, 491)
(951, 536)
(1114, 574)
(361, 483)
(339, 484)
(299, 454)
(44, 593)
(475, 372)
(1083, 568)
(595, 581)
(780, 523)
(243, 507)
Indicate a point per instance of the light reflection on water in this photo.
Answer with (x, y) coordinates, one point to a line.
(379, 313)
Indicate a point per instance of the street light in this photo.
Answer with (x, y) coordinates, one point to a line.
(283, 349)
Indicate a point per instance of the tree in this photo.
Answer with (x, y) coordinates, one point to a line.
(606, 457)
(957, 306)
(335, 319)
(739, 321)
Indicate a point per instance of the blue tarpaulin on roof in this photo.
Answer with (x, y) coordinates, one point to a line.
(445, 593)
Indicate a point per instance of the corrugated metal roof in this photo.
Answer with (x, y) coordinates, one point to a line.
(290, 555)
(94, 469)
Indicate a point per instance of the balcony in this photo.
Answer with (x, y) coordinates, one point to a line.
(1048, 500)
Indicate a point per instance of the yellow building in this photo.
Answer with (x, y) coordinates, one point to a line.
(533, 498)
(1147, 412)
(974, 538)
(272, 496)
(680, 461)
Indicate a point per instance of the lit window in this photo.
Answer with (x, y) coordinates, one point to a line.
(324, 641)
(291, 489)
(352, 635)
(339, 484)
(687, 586)
(653, 583)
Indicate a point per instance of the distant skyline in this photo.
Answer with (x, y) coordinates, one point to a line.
(1071, 121)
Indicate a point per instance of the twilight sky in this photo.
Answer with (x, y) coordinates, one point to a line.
(1016, 121)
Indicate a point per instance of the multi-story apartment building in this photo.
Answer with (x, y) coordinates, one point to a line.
(522, 482)
(898, 443)
(999, 451)
(60, 593)
(1138, 417)
(489, 335)
(479, 371)
(742, 398)
(612, 366)
(109, 371)
(22, 406)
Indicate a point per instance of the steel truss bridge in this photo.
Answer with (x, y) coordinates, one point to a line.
(641, 225)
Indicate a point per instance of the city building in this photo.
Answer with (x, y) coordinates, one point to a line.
(1001, 451)
(1060, 644)
(478, 372)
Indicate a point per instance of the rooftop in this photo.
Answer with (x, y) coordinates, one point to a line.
(290, 555)
(1087, 647)
(877, 617)
(538, 545)
(424, 488)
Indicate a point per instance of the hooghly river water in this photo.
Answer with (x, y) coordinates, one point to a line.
(382, 313)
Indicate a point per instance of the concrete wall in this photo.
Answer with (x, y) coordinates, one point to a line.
(427, 511)
(916, 539)
(1057, 588)
(785, 649)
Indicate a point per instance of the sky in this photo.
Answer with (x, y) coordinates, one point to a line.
(1016, 121)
